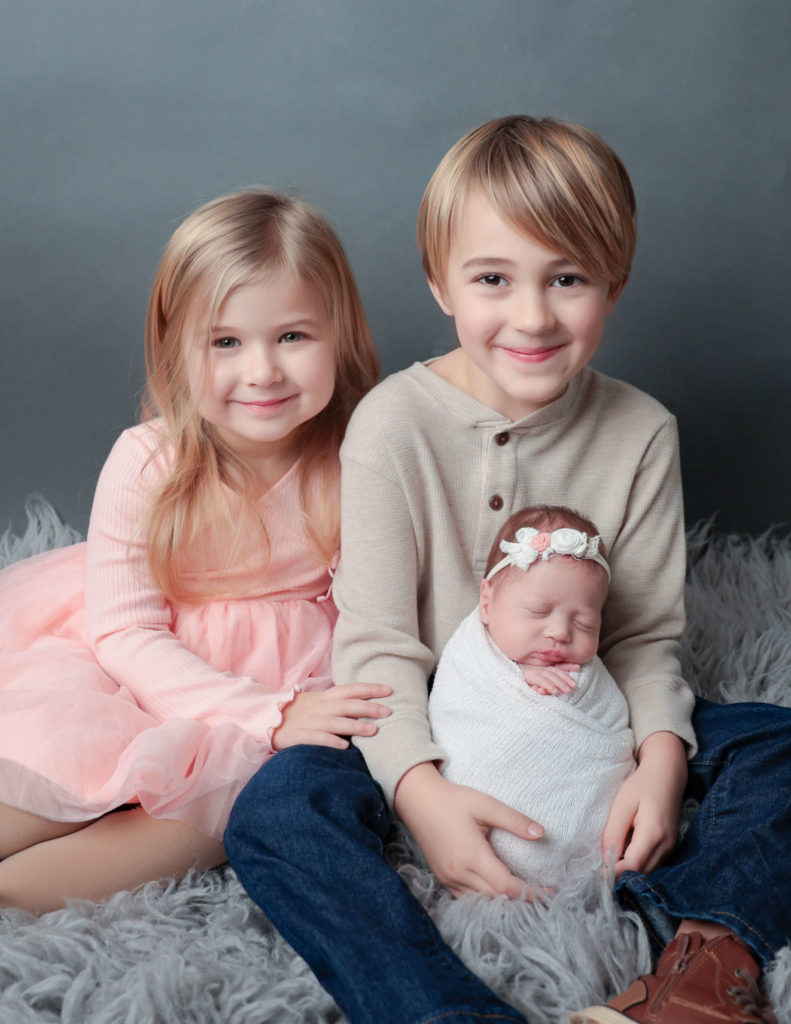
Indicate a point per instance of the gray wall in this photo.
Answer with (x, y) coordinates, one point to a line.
(118, 118)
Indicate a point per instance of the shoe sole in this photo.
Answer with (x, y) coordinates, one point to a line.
(599, 1015)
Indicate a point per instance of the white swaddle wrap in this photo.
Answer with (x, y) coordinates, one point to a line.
(559, 759)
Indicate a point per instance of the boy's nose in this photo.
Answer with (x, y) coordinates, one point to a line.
(531, 313)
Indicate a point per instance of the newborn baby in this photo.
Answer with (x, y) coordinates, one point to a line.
(522, 705)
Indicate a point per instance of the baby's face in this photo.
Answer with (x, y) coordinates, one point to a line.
(548, 614)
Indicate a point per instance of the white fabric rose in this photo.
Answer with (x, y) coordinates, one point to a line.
(569, 542)
(522, 554)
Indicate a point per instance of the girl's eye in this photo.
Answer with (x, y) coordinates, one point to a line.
(493, 280)
(292, 336)
(225, 343)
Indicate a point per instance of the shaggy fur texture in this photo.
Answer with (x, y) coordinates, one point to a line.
(200, 952)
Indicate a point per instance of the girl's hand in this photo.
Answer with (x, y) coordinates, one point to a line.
(643, 823)
(550, 679)
(451, 824)
(324, 718)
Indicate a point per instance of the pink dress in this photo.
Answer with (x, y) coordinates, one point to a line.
(109, 695)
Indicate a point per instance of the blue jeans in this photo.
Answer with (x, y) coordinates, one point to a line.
(733, 865)
(306, 838)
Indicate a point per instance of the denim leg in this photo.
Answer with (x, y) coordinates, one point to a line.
(306, 838)
(733, 864)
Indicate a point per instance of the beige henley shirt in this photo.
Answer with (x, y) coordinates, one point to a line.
(428, 477)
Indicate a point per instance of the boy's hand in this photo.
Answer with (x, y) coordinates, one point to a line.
(325, 717)
(550, 679)
(451, 824)
(643, 823)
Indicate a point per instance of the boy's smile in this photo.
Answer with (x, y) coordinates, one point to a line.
(527, 318)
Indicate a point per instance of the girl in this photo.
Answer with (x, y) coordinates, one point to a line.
(151, 671)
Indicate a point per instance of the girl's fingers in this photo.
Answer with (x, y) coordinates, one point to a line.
(362, 691)
(351, 727)
(356, 709)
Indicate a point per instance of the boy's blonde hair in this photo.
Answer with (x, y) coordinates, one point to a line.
(236, 240)
(556, 181)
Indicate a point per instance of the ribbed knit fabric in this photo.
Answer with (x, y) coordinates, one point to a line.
(430, 475)
(129, 623)
(559, 759)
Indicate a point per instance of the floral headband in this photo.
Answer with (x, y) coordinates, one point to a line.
(530, 545)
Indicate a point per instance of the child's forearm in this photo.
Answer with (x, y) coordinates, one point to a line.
(644, 615)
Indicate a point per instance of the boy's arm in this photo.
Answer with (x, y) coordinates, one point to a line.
(644, 619)
(644, 615)
(451, 824)
(377, 640)
(376, 636)
(643, 821)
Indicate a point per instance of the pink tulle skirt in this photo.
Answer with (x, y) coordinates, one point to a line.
(75, 745)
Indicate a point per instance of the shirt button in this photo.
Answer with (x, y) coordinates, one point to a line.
(503, 438)
(495, 503)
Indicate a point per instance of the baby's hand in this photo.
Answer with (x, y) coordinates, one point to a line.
(550, 679)
(326, 717)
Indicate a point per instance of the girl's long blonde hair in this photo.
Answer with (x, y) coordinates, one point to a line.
(231, 241)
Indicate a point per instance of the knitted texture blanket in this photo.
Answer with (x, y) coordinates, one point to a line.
(559, 759)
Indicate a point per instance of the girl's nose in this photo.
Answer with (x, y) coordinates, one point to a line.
(262, 366)
(531, 312)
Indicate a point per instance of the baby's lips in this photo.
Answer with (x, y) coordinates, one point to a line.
(552, 657)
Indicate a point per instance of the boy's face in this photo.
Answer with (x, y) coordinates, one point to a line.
(527, 318)
(547, 615)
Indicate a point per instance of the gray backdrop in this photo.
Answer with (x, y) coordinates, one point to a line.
(118, 118)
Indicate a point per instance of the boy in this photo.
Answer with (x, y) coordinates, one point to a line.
(527, 231)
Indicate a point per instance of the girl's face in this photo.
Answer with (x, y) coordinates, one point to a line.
(270, 366)
(546, 615)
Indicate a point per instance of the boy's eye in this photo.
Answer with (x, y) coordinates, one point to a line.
(225, 343)
(292, 336)
(567, 281)
(493, 280)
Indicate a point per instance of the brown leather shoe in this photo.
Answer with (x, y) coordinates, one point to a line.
(695, 982)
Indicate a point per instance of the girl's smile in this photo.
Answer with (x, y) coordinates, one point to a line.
(271, 406)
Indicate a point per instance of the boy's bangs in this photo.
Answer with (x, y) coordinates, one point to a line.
(563, 214)
(555, 181)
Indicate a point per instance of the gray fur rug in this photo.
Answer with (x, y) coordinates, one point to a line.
(201, 952)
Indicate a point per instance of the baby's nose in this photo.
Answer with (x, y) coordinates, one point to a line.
(558, 629)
